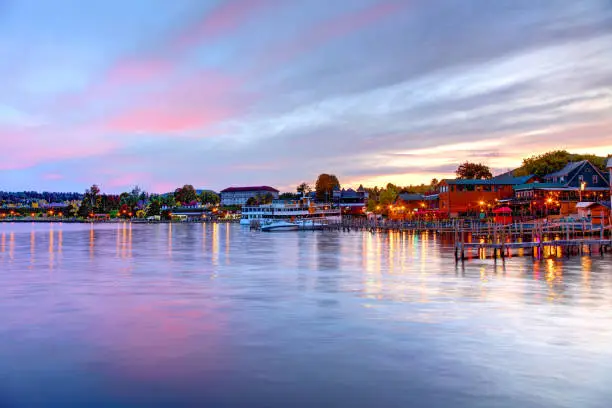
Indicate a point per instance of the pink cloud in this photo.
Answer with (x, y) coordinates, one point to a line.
(26, 147)
(228, 16)
(334, 28)
(195, 102)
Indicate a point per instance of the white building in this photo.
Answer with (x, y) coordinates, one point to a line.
(240, 195)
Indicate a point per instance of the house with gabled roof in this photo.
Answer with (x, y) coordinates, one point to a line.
(352, 202)
(576, 182)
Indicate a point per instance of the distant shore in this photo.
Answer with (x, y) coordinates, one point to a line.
(113, 221)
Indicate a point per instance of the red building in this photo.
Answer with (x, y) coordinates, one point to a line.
(471, 197)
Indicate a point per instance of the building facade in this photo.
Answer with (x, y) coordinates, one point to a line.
(240, 195)
(470, 196)
(562, 190)
(610, 178)
(352, 202)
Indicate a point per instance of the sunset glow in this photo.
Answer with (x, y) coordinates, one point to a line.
(263, 92)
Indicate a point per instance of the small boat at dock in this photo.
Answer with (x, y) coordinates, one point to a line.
(280, 225)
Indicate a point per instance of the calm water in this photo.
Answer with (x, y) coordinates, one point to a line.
(219, 316)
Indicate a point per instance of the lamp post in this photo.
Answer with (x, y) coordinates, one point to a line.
(582, 188)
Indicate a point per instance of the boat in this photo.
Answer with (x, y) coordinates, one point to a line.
(304, 212)
(279, 225)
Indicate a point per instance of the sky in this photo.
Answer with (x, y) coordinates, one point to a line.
(274, 92)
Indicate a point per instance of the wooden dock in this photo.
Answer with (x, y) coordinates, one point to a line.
(536, 248)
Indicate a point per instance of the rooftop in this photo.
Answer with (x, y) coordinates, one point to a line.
(250, 188)
(569, 167)
(411, 197)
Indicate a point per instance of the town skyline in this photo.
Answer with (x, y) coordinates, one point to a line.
(372, 91)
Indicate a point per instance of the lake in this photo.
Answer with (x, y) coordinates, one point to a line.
(216, 315)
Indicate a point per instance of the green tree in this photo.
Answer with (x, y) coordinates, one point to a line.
(289, 196)
(267, 198)
(324, 186)
(153, 209)
(72, 210)
(469, 170)
(208, 197)
(85, 209)
(388, 196)
(550, 162)
(185, 195)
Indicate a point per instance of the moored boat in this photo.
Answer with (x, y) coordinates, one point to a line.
(280, 225)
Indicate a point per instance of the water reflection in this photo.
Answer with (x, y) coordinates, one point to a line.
(218, 315)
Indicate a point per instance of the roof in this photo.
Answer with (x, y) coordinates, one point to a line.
(569, 167)
(410, 197)
(250, 188)
(586, 204)
(489, 182)
(554, 187)
(502, 210)
(539, 186)
(510, 178)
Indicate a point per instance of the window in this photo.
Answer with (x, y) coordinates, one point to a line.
(581, 178)
(562, 179)
(595, 179)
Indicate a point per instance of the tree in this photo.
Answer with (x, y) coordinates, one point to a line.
(303, 189)
(72, 210)
(208, 197)
(325, 186)
(185, 195)
(289, 196)
(92, 195)
(85, 209)
(388, 195)
(434, 183)
(153, 209)
(550, 162)
(267, 198)
(469, 170)
(251, 201)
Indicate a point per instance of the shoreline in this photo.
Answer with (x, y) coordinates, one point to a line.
(117, 221)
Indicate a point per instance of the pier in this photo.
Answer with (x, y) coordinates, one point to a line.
(490, 240)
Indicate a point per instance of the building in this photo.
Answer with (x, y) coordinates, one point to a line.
(471, 197)
(240, 195)
(352, 202)
(596, 213)
(610, 178)
(562, 190)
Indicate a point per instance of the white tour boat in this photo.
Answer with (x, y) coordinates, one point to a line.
(304, 213)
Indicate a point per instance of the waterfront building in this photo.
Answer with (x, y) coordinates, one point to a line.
(562, 190)
(610, 178)
(352, 202)
(470, 196)
(597, 213)
(240, 195)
